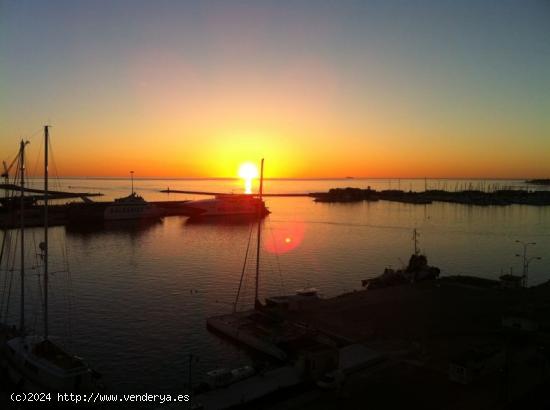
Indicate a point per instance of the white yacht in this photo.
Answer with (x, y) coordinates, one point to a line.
(132, 206)
(229, 204)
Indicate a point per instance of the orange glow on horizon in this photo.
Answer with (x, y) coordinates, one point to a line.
(198, 151)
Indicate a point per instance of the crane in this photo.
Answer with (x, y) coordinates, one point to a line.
(7, 169)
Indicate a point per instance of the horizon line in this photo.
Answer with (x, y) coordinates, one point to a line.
(292, 178)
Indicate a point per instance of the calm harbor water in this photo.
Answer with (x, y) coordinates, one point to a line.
(138, 295)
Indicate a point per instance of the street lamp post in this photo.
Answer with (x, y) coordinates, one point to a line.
(526, 260)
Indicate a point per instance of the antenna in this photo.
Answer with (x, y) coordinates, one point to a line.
(132, 178)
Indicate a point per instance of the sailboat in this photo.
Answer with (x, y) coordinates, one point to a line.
(8, 332)
(259, 328)
(240, 325)
(38, 362)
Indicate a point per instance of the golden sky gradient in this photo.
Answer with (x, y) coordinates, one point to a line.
(365, 90)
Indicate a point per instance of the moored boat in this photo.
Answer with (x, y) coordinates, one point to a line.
(36, 364)
(417, 270)
(224, 377)
(132, 206)
(263, 328)
(228, 204)
(39, 362)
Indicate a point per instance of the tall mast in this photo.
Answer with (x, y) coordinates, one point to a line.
(22, 229)
(256, 298)
(415, 239)
(46, 143)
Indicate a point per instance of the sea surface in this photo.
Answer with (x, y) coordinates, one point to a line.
(132, 299)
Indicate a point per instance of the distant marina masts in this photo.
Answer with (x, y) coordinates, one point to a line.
(526, 260)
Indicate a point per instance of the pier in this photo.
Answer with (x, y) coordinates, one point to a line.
(51, 194)
(177, 191)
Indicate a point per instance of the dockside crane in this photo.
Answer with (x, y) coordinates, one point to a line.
(7, 169)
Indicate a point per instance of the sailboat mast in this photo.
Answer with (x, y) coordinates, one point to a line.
(415, 239)
(46, 143)
(256, 297)
(22, 229)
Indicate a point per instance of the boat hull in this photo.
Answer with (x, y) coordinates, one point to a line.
(32, 374)
(224, 205)
(117, 212)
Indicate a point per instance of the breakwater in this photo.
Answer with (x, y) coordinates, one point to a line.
(538, 181)
(467, 197)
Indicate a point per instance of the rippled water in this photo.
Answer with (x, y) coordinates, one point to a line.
(138, 295)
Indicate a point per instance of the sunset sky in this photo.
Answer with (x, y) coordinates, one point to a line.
(385, 88)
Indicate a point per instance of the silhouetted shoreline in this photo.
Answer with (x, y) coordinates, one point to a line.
(467, 197)
(538, 181)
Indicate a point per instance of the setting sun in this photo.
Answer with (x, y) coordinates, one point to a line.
(248, 171)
